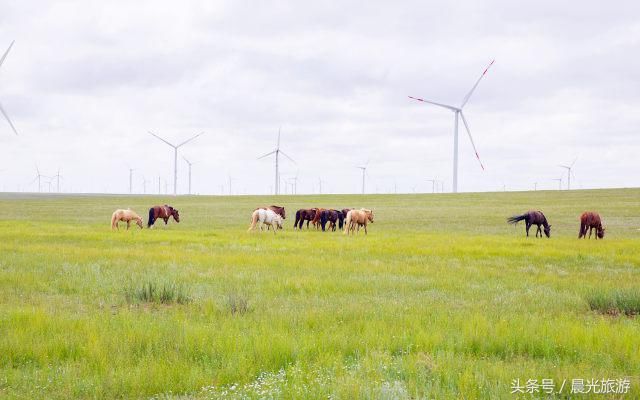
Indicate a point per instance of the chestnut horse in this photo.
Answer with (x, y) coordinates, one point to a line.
(316, 219)
(162, 212)
(590, 220)
(304, 215)
(532, 218)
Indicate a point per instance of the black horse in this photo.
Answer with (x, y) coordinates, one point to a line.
(333, 217)
(533, 218)
(304, 215)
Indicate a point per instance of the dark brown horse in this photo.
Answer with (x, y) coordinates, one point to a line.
(304, 215)
(162, 212)
(590, 220)
(533, 218)
(333, 217)
(316, 219)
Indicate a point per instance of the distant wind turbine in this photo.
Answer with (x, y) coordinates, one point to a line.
(57, 176)
(433, 184)
(175, 157)
(6, 116)
(144, 185)
(568, 168)
(320, 181)
(190, 164)
(277, 152)
(38, 178)
(131, 180)
(458, 113)
(364, 172)
(559, 182)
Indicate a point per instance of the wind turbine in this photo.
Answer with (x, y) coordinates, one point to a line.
(190, 164)
(277, 152)
(57, 176)
(6, 116)
(38, 178)
(320, 185)
(131, 180)
(458, 113)
(568, 168)
(559, 182)
(364, 172)
(433, 184)
(144, 185)
(175, 157)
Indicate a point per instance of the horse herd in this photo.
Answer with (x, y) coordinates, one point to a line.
(348, 219)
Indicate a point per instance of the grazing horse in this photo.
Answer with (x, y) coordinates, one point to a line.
(162, 212)
(316, 219)
(590, 220)
(331, 216)
(276, 209)
(357, 217)
(532, 218)
(265, 217)
(304, 215)
(126, 216)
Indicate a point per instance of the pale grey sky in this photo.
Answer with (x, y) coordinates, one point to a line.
(86, 80)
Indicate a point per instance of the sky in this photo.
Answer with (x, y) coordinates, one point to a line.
(87, 80)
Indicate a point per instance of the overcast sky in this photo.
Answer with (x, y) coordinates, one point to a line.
(86, 80)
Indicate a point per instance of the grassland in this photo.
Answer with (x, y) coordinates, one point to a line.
(441, 300)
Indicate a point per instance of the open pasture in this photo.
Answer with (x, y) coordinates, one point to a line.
(442, 299)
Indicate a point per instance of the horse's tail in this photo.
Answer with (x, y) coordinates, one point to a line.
(295, 224)
(151, 217)
(347, 222)
(340, 219)
(113, 220)
(516, 218)
(254, 220)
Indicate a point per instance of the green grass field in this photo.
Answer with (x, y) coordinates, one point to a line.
(442, 299)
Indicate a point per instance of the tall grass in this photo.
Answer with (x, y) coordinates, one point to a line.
(615, 301)
(153, 292)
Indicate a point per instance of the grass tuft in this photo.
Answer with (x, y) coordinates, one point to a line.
(237, 303)
(615, 302)
(152, 292)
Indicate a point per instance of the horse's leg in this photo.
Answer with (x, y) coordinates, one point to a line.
(128, 224)
(527, 226)
(590, 231)
(365, 227)
(166, 220)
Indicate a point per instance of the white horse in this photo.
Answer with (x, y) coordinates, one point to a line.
(265, 217)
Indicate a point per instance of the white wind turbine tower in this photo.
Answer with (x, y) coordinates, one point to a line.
(175, 157)
(277, 152)
(38, 178)
(559, 182)
(6, 116)
(190, 164)
(364, 172)
(144, 185)
(568, 168)
(433, 184)
(458, 113)
(57, 176)
(131, 180)
(320, 181)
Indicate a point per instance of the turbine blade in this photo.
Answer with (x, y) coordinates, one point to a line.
(6, 52)
(158, 137)
(434, 103)
(574, 161)
(8, 120)
(285, 154)
(468, 96)
(464, 121)
(266, 155)
(188, 140)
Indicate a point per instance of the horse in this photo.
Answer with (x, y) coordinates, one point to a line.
(316, 219)
(162, 212)
(127, 216)
(265, 217)
(357, 217)
(532, 218)
(590, 220)
(331, 216)
(304, 215)
(277, 209)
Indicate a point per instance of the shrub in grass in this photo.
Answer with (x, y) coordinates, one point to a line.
(237, 303)
(152, 292)
(615, 302)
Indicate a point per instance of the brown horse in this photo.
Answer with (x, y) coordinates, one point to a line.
(590, 220)
(316, 219)
(304, 215)
(162, 212)
(532, 218)
(357, 218)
